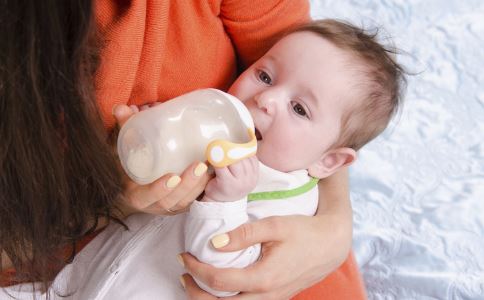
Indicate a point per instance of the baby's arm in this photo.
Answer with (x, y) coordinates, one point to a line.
(223, 208)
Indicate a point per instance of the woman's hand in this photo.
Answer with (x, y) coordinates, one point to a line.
(168, 195)
(297, 251)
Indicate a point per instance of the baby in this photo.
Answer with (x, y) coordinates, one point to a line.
(316, 97)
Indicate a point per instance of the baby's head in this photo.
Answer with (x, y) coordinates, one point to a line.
(318, 95)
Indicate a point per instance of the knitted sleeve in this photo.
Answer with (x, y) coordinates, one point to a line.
(253, 26)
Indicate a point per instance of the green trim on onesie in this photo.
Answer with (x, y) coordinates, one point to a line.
(275, 195)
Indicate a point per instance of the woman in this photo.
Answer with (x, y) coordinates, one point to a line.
(60, 183)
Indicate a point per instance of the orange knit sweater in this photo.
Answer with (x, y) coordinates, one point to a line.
(156, 50)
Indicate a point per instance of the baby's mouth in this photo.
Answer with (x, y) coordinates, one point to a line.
(258, 135)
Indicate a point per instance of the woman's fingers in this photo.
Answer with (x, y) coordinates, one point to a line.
(193, 290)
(193, 182)
(122, 113)
(217, 279)
(248, 234)
(134, 108)
(189, 185)
(170, 194)
(144, 107)
(254, 280)
(251, 278)
(140, 197)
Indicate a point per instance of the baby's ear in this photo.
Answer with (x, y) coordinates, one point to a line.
(331, 161)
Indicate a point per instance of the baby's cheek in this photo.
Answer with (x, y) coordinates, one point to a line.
(241, 89)
(273, 157)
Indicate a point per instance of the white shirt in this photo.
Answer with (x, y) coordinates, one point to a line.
(120, 264)
(139, 263)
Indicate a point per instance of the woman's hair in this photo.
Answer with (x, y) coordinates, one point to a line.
(383, 81)
(58, 174)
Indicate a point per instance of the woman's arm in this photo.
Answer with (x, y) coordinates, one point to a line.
(297, 251)
(335, 208)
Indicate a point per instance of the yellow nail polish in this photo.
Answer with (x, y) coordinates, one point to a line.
(180, 260)
(220, 240)
(200, 169)
(182, 281)
(173, 181)
(113, 109)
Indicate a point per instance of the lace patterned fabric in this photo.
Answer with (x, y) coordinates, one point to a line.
(418, 190)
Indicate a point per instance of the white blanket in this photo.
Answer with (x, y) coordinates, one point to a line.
(418, 190)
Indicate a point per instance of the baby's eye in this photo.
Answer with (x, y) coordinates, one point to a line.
(265, 78)
(299, 109)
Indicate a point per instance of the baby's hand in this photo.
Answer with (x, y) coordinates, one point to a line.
(233, 182)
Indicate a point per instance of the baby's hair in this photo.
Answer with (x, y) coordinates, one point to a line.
(382, 87)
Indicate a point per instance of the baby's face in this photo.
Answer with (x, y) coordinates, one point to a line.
(297, 93)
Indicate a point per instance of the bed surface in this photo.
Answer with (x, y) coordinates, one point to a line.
(418, 190)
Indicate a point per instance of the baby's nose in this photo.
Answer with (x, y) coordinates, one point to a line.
(266, 103)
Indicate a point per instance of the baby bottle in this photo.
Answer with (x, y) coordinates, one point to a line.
(202, 125)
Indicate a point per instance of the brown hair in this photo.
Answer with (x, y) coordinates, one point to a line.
(382, 87)
(58, 174)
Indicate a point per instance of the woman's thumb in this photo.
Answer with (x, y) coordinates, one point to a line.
(248, 234)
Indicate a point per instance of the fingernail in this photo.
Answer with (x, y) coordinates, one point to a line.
(220, 240)
(182, 281)
(200, 169)
(173, 181)
(180, 260)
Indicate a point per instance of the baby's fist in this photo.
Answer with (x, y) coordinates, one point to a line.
(233, 182)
